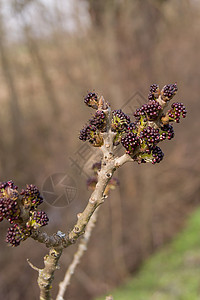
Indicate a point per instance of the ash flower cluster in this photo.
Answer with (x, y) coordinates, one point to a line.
(91, 131)
(141, 136)
(20, 209)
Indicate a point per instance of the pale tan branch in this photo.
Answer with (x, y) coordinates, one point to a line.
(32, 266)
(109, 165)
(46, 275)
(77, 257)
(59, 241)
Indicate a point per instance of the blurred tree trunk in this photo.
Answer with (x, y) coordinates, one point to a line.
(134, 25)
(41, 65)
(98, 9)
(15, 114)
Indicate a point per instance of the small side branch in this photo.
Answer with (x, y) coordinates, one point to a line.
(120, 161)
(46, 275)
(32, 266)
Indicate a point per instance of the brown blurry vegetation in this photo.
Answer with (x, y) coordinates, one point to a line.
(127, 46)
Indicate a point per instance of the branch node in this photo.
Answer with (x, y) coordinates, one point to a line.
(92, 200)
(76, 229)
(102, 104)
(60, 234)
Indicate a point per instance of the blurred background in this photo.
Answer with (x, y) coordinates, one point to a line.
(51, 54)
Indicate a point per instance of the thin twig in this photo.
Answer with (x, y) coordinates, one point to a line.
(32, 266)
(77, 257)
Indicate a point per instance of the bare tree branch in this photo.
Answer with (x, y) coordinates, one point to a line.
(59, 240)
(77, 257)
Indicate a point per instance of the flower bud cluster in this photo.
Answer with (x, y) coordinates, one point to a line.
(151, 126)
(92, 100)
(152, 154)
(20, 209)
(37, 219)
(130, 142)
(168, 92)
(120, 123)
(154, 92)
(150, 111)
(16, 234)
(177, 111)
(150, 136)
(31, 197)
(9, 208)
(166, 132)
(120, 120)
(92, 131)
